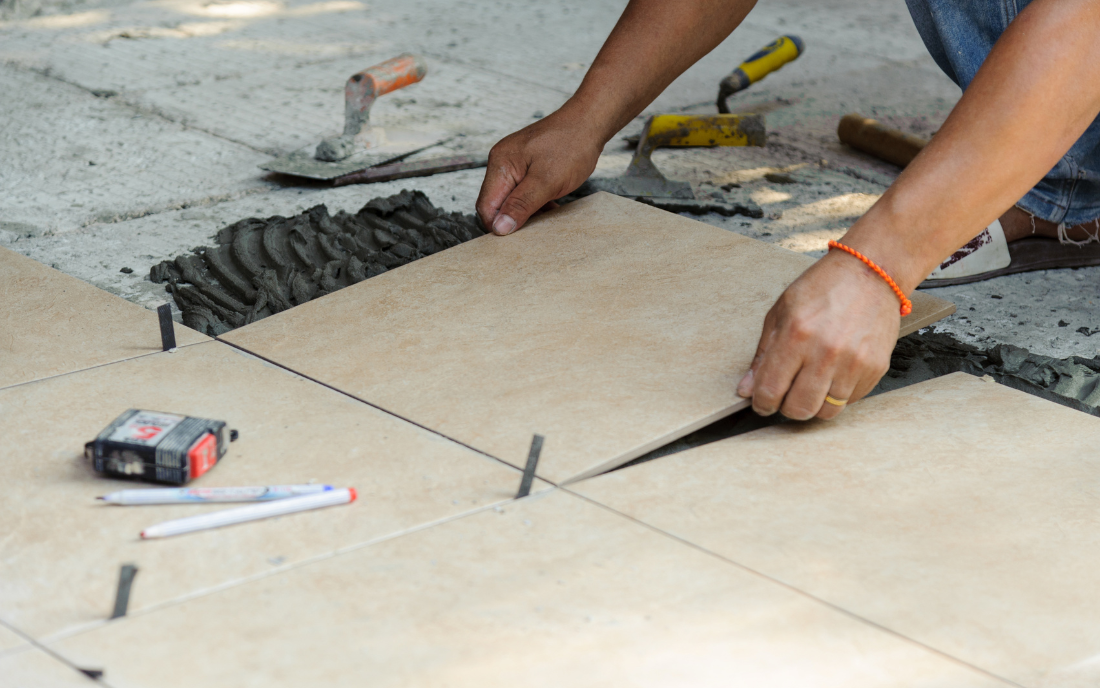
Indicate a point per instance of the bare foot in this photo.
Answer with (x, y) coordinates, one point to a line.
(1019, 224)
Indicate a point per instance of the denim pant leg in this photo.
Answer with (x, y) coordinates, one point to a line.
(959, 34)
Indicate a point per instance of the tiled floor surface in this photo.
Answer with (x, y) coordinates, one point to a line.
(134, 132)
(435, 569)
(608, 326)
(31, 667)
(51, 324)
(61, 554)
(9, 640)
(550, 591)
(956, 512)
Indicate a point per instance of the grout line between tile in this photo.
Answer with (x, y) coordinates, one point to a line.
(340, 551)
(33, 643)
(100, 365)
(379, 408)
(797, 591)
(644, 449)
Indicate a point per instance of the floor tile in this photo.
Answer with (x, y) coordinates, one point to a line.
(608, 326)
(61, 550)
(9, 639)
(52, 324)
(34, 668)
(957, 512)
(548, 591)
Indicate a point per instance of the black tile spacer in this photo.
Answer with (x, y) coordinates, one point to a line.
(125, 581)
(167, 327)
(529, 471)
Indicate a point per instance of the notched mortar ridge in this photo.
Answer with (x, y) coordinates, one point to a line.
(262, 266)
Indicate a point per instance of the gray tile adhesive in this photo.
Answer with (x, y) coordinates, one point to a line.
(260, 267)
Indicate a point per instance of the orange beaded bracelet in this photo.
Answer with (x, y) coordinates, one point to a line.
(906, 304)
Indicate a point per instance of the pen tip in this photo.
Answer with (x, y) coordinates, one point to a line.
(101, 498)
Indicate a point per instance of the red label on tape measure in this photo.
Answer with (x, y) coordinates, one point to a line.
(203, 454)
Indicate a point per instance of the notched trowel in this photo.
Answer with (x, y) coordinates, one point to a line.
(361, 145)
(644, 182)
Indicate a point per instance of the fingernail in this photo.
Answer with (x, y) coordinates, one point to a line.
(744, 388)
(503, 225)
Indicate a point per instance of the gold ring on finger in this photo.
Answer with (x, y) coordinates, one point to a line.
(835, 402)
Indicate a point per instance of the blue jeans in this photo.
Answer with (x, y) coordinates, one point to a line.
(960, 34)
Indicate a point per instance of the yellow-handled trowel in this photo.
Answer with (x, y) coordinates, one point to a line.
(644, 182)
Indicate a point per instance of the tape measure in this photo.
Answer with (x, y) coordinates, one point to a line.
(762, 63)
(159, 447)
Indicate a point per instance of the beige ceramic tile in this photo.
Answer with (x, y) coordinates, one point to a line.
(51, 323)
(60, 550)
(551, 591)
(9, 640)
(34, 668)
(957, 512)
(608, 326)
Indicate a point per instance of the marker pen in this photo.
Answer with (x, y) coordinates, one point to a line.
(204, 495)
(252, 512)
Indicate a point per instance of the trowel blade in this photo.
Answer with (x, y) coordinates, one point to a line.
(638, 187)
(301, 163)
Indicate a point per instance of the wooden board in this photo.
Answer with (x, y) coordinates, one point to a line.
(51, 324)
(957, 512)
(547, 592)
(60, 549)
(607, 326)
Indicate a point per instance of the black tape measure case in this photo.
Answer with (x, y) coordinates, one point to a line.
(159, 447)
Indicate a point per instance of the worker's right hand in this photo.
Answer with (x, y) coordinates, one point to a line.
(531, 168)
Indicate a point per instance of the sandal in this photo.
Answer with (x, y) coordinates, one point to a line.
(989, 255)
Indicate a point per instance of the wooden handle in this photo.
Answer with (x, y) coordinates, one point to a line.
(873, 138)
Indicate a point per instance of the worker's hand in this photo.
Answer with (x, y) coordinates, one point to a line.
(831, 332)
(534, 166)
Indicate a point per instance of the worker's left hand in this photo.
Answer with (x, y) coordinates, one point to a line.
(831, 332)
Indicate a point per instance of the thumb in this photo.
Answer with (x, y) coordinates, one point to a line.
(502, 174)
(745, 387)
(530, 195)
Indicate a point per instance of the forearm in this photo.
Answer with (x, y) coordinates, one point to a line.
(653, 43)
(1036, 93)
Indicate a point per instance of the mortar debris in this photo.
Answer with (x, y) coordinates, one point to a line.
(1073, 381)
(260, 267)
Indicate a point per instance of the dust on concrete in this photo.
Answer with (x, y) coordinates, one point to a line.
(262, 266)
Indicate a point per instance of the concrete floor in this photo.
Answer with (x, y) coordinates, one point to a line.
(133, 129)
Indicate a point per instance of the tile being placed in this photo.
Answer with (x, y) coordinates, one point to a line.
(547, 591)
(607, 326)
(61, 550)
(34, 668)
(956, 512)
(52, 324)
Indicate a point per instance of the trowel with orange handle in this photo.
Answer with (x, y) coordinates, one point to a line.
(343, 159)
